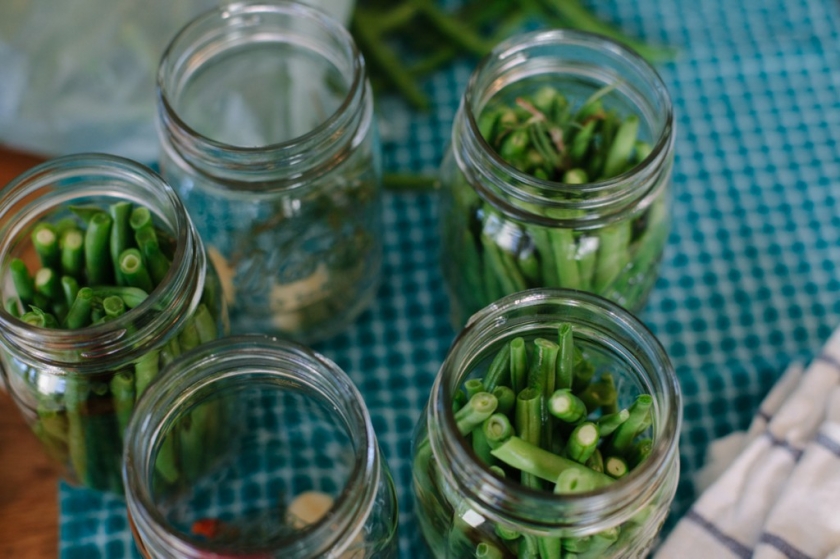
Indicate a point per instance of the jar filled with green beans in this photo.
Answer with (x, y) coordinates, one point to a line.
(558, 173)
(104, 281)
(551, 431)
(267, 132)
(296, 472)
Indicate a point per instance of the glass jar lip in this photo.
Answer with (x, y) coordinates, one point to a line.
(284, 7)
(242, 355)
(515, 45)
(107, 335)
(496, 491)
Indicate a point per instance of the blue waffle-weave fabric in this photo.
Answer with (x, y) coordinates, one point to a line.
(751, 276)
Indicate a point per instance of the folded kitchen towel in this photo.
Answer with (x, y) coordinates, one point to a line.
(780, 497)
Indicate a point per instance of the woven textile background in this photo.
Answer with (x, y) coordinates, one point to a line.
(751, 276)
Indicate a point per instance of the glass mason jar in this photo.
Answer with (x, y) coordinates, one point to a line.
(505, 229)
(266, 121)
(291, 467)
(464, 502)
(76, 387)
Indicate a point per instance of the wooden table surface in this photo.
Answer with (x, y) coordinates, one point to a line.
(28, 481)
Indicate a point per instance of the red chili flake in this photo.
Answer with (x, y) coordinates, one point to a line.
(207, 527)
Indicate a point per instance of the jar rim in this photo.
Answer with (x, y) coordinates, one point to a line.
(467, 472)
(526, 188)
(191, 144)
(225, 359)
(94, 347)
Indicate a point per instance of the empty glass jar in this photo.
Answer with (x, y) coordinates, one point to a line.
(286, 464)
(266, 122)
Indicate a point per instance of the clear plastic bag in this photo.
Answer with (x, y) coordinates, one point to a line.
(79, 75)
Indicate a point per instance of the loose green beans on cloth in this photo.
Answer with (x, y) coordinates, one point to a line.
(749, 280)
(93, 267)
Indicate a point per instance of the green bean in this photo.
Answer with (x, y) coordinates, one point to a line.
(75, 396)
(564, 252)
(499, 371)
(600, 394)
(542, 464)
(566, 406)
(610, 422)
(205, 324)
(622, 146)
(141, 219)
(45, 243)
(497, 429)
(566, 356)
(596, 461)
(615, 466)
(639, 452)
(123, 389)
(637, 421)
(613, 242)
(528, 423)
(97, 255)
(79, 314)
(85, 213)
(48, 284)
(37, 317)
(475, 411)
(121, 235)
(189, 338)
(157, 263)
(473, 386)
(11, 306)
(131, 296)
(73, 253)
(506, 398)
(113, 306)
(145, 370)
(70, 288)
(134, 270)
(518, 365)
(582, 442)
(24, 285)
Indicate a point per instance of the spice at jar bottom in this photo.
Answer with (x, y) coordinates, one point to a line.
(298, 474)
(551, 431)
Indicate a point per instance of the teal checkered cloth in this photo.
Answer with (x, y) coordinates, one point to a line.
(750, 279)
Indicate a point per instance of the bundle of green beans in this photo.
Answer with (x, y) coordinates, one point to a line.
(94, 267)
(545, 136)
(540, 416)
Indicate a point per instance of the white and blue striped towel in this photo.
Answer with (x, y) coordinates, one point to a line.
(780, 497)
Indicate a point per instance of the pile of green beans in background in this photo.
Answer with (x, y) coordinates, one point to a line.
(540, 417)
(94, 267)
(545, 136)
